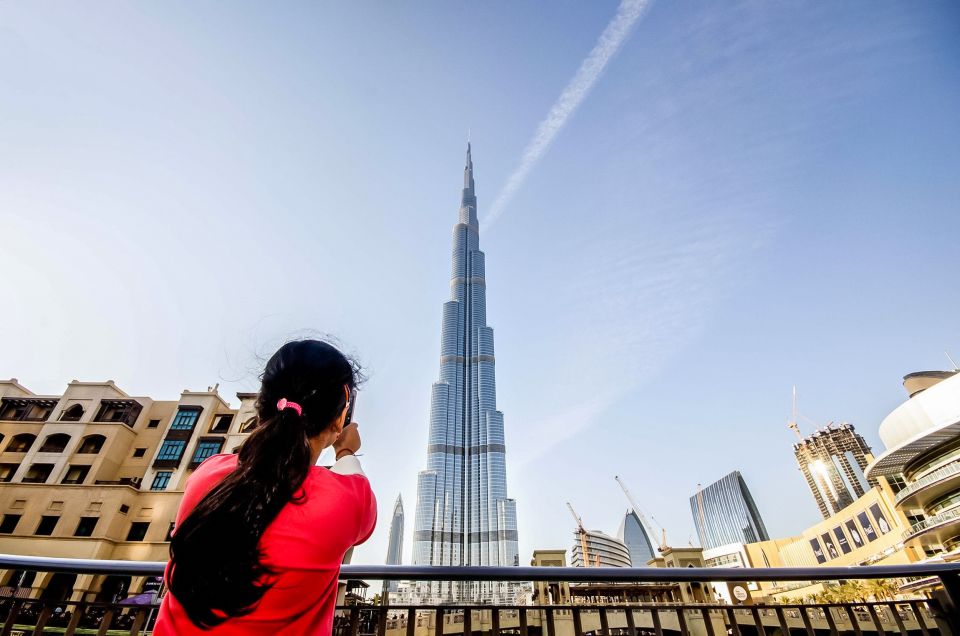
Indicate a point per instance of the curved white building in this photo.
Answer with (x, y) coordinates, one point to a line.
(602, 550)
(922, 437)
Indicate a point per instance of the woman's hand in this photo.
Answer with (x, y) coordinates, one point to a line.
(349, 440)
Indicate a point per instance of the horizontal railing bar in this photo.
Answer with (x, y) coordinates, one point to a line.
(525, 573)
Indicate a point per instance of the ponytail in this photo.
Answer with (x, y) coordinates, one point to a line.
(216, 567)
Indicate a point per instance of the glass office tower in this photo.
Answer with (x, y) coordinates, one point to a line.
(463, 515)
(634, 536)
(395, 544)
(724, 512)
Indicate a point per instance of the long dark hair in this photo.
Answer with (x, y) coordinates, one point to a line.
(215, 561)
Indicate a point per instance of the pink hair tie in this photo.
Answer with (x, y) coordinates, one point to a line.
(284, 403)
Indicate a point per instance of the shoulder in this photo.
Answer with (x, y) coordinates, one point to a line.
(214, 467)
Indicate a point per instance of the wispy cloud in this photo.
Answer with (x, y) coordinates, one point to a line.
(612, 38)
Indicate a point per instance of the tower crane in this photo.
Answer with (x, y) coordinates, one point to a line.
(640, 515)
(793, 424)
(582, 533)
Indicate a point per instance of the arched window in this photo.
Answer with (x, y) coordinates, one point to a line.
(55, 443)
(72, 414)
(21, 443)
(91, 444)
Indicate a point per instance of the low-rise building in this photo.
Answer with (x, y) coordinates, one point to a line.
(96, 473)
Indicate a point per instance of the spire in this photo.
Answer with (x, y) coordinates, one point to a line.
(468, 202)
(468, 173)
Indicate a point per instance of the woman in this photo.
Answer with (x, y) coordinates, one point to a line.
(260, 536)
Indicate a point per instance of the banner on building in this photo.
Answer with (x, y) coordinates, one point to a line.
(867, 526)
(817, 551)
(854, 534)
(882, 523)
(841, 540)
(828, 545)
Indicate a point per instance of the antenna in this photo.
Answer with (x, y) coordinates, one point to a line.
(952, 361)
(636, 509)
(792, 423)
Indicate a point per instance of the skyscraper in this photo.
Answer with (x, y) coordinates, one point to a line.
(724, 512)
(634, 536)
(833, 461)
(395, 545)
(463, 515)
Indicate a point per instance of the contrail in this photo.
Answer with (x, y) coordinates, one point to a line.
(612, 38)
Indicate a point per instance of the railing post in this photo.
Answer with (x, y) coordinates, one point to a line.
(11, 618)
(438, 628)
(411, 621)
(828, 614)
(896, 617)
(876, 619)
(917, 609)
(951, 601)
(657, 627)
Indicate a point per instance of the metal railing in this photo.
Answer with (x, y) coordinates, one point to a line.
(929, 479)
(931, 522)
(606, 617)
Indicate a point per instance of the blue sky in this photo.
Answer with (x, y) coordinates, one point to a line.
(752, 195)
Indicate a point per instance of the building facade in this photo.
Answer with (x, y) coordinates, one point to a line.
(833, 460)
(635, 537)
(463, 514)
(602, 550)
(395, 543)
(922, 439)
(724, 512)
(95, 473)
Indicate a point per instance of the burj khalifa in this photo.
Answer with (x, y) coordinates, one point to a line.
(463, 514)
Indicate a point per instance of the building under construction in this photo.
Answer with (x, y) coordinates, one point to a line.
(833, 460)
(602, 550)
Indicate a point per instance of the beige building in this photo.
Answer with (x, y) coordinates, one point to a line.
(98, 474)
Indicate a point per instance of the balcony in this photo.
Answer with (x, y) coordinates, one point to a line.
(935, 529)
(603, 613)
(931, 486)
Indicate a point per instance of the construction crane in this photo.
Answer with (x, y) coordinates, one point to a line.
(643, 519)
(792, 423)
(582, 533)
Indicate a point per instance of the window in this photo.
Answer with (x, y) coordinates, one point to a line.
(124, 509)
(86, 526)
(222, 423)
(249, 425)
(125, 411)
(91, 444)
(72, 414)
(139, 452)
(138, 530)
(160, 480)
(7, 471)
(76, 475)
(169, 532)
(55, 443)
(186, 418)
(9, 523)
(172, 449)
(21, 443)
(153, 423)
(26, 409)
(46, 525)
(38, 474)
(206, 448)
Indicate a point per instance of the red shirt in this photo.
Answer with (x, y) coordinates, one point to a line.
(304, 545)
